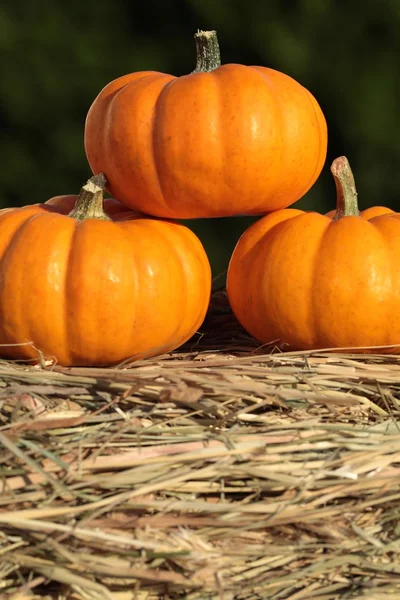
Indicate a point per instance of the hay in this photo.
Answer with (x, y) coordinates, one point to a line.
(222, 471)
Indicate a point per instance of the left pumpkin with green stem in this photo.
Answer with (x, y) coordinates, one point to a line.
(85, 281)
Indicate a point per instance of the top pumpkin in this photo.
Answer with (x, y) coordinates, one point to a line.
(221, 141)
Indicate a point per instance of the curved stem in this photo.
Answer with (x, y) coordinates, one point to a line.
(346, 193)
(89, 204)
(207, 51)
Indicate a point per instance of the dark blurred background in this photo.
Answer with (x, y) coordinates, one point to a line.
(55, 57)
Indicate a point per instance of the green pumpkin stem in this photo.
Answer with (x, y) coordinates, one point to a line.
(89, 204)
(346, 193)
(207, 51)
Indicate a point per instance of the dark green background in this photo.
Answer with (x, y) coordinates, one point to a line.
(55, 58)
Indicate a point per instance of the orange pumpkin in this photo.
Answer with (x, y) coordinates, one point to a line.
(90, 287)
(221, 141)
(311, 281)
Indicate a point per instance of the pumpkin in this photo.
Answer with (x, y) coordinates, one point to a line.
(310, 281)
(87, 283)
(220, 141)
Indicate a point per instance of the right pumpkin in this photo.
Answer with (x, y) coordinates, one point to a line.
(308, 281)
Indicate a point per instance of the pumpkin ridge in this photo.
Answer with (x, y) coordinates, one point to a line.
(167, 238)
(377, 218)
(16, 212)
(114, 162)
(207, 275)
(320, 163)
(103, 138)
(18, 300)
(140, 77)
(107, 143)
(196, 249)
(155, 154)
(146, 224)
(391, 260)
(46, 264)
(184, 289)
(283, 123)
(124, 227)
(129, 235)
(84, 237)
(318, 118)
(3, 257)
(290, 230)
(275, 95)
(223, 142)
(315, 326)
(68, 315)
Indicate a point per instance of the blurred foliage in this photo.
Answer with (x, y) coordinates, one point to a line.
(56, 57)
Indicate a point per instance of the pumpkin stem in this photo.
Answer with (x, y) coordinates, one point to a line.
(207, 51)
(89, 204)
(346, 193)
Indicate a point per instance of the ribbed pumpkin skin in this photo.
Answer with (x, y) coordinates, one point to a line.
(97, 292)
(236, 140)
(306, 281)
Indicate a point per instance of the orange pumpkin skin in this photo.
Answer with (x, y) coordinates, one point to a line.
(235, 140)
(97, 292)
(368, 213)
(308, 282)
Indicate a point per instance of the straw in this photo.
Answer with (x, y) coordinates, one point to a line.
(220, 471)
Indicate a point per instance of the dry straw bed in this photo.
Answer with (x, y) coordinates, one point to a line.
(222, 471)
